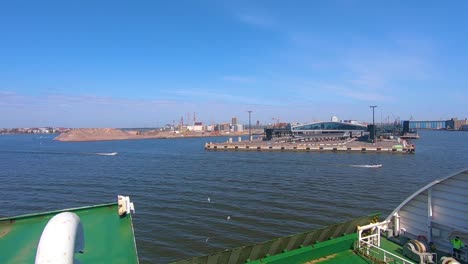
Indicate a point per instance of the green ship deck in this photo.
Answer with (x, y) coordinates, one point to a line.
(108, 237)
(335, 251)
(333, 244)
(419, 230)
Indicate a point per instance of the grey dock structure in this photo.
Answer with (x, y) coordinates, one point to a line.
(348, 146)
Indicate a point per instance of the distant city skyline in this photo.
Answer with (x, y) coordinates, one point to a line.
(148, 63)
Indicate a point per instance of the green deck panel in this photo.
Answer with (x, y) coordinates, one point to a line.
(391, 247)
(108, 237)
(337, 250)
(347, 256)
(330, 245)
(298, 248)
(331, 251)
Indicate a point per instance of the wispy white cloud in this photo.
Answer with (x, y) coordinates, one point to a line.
(239, 79)
(6, 93)
(82, 110)
(364, 95)
(338, 91)
(222, 97)
(389, 66)
(379, 74)
(12, 99)
(256, 20)
(106, 111)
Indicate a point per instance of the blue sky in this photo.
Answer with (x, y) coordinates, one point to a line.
(147, 63)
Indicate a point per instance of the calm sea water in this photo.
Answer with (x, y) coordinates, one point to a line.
(254, 196)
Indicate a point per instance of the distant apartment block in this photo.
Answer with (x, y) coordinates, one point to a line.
(40, 130)
(234, 121)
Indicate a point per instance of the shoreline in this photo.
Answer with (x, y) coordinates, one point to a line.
(112, 134)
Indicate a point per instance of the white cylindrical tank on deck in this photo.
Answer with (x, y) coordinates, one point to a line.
(60, 240)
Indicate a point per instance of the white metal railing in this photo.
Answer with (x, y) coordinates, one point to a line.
(373, 239)
(370, 243)
(385, 255)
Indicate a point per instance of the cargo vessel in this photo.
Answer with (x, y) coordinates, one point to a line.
(419, 230)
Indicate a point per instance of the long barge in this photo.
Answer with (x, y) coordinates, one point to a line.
(390, 146)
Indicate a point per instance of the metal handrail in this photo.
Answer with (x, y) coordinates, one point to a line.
(404, 261)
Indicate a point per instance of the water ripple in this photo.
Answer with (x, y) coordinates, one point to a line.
(253, 196)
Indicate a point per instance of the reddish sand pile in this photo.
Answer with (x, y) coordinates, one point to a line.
(97, 134)
(93, 134)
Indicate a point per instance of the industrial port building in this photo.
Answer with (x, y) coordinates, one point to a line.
(452, 124)
(317, 129)
(328, 128)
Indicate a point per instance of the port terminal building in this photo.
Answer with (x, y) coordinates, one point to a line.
(329, 129)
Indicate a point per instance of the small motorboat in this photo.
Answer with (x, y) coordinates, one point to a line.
(367, 166)
(107, 153)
